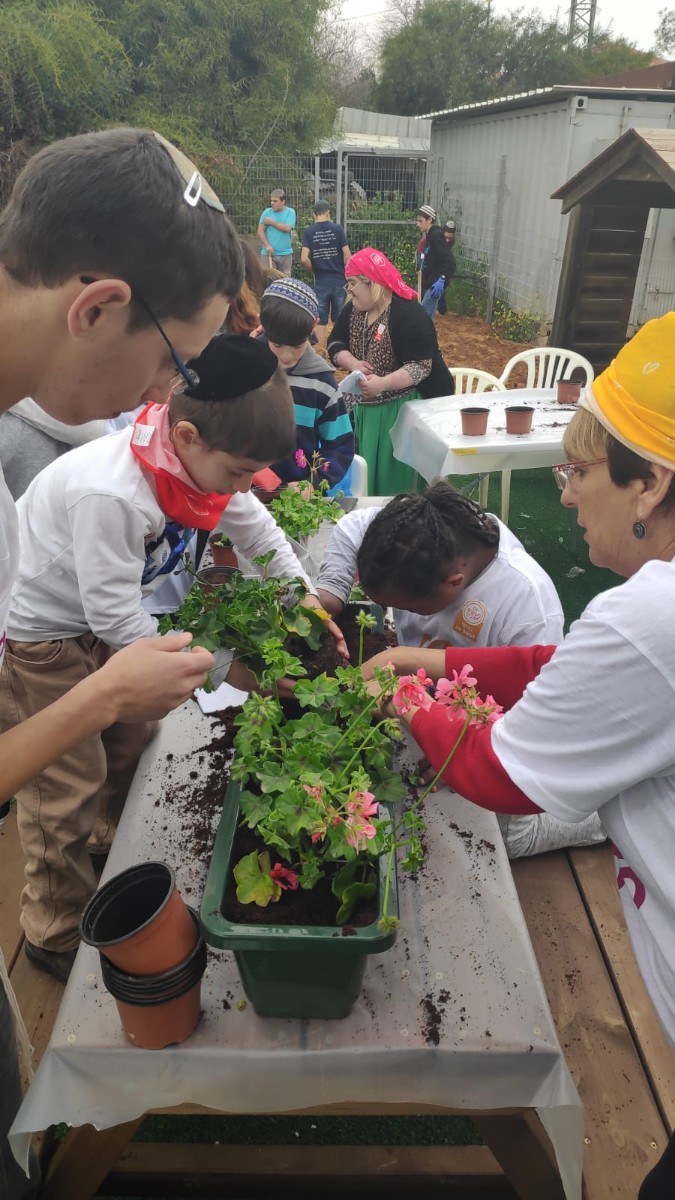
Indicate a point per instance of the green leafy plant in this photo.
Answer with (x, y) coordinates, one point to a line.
(261, 619)
(317, 789)
(300, 514)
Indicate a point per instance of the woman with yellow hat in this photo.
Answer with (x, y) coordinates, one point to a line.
(590, 724)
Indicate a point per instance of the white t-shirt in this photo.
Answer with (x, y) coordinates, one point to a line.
(511, 603)
(91, 529)
(596, 730)
(9, 556)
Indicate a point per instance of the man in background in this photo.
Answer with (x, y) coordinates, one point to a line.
(275, 230)
(324, 253)
(438, 265)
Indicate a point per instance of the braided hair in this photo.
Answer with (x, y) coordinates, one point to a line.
(414, 541)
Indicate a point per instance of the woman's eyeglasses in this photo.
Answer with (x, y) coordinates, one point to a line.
(563, 472)
(353, 283)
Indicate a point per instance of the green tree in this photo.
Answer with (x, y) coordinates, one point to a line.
(664, 38)
(451, 52)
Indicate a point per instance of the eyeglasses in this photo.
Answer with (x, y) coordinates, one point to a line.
(563, 472)
(352, 283)
(188, 375)
(197, 188)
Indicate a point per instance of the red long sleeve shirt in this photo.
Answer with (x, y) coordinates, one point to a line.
(475, 771)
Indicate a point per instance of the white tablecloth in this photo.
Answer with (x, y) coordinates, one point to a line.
(462, 945)
(428, 434)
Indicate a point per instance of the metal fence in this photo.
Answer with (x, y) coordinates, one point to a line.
(375, 197)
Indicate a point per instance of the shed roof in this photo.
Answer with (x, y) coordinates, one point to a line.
(639, 158)
(548, 95)
(365, 132)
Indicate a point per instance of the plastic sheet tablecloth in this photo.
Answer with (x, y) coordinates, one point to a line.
(427, 434)
(455, 1015)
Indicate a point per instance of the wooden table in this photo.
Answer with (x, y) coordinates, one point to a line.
(463, 954)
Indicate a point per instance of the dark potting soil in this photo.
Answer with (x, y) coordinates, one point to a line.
(326, 658)
(315, 908)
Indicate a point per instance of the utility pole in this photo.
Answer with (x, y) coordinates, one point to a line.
(582, 22)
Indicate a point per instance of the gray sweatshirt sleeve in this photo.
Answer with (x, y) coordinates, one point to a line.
(338, 569)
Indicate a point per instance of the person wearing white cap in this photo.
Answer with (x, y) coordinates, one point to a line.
(438, 263)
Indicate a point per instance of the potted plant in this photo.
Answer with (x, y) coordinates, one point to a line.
(301, 511)
(309, 817)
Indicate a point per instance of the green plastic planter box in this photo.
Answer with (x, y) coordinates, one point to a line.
(289, 970)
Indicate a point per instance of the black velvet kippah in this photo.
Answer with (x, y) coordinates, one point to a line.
(230, 366)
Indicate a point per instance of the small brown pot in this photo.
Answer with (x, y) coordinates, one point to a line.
(568, 392)
(212, 577)
(223, 555)
(519, 418)
(139, 920)
(474, 421)
(163, 1009)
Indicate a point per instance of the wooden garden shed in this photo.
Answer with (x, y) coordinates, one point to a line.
(609, 202)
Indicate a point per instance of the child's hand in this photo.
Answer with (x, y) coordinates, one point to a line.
(301, 486)
(144, 681)
(311, 601)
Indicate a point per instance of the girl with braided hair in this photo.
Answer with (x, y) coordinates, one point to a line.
(454, 576)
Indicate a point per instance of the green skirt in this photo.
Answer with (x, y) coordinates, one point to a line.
(386, 475)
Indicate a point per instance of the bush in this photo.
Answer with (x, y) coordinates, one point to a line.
(512, 325)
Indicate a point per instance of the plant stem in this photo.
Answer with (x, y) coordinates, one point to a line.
(364, 743)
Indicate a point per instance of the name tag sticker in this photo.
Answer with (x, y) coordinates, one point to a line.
(470, 619)
(143, 435)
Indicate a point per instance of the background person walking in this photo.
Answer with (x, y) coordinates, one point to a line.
(324, 253)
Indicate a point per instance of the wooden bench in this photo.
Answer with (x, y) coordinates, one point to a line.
(613, 1043)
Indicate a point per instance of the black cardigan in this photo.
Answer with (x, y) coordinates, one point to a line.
(413, 338)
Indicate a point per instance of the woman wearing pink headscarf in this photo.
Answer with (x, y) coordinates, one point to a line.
(384, 332)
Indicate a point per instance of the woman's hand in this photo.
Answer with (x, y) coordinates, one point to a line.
(347, 362)
(373, 386)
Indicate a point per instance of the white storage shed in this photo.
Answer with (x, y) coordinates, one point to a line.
(495, 165)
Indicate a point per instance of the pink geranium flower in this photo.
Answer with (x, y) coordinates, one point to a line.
(412, 692)
(300, 459)
(284, 877)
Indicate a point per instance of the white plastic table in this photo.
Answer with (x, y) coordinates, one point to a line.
(428, 436)
(462, 953)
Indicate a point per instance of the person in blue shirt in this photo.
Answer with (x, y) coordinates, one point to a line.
(275, 230)
(324, 253)
(288, 315)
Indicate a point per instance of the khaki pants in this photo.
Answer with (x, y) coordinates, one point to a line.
(74, 806)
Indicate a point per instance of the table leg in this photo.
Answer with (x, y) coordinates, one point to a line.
(506, 495)
(523, 1150)
(83, 1160)
(483, 485)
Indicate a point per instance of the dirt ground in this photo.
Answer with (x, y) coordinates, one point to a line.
(470, 342)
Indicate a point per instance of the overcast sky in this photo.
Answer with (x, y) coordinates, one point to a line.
(634, 21)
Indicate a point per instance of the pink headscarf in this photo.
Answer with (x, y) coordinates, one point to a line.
(376, 267)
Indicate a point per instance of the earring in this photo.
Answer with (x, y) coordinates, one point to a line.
(639, 529)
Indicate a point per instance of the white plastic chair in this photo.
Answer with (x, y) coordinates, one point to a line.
(359, 485)
(546, 365)
(472, 380)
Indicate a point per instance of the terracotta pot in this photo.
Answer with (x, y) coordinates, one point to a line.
(568, 392)
(474, 421)
(139, 920)
(223, 556)
(519, 418)
(162, 1009)
(211, 578)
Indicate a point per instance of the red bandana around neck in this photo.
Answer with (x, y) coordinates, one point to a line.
(178, 496)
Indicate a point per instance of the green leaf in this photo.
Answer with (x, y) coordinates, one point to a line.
(254, 885)
(351, 897)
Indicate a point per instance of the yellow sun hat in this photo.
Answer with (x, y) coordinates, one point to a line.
(634, 398)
